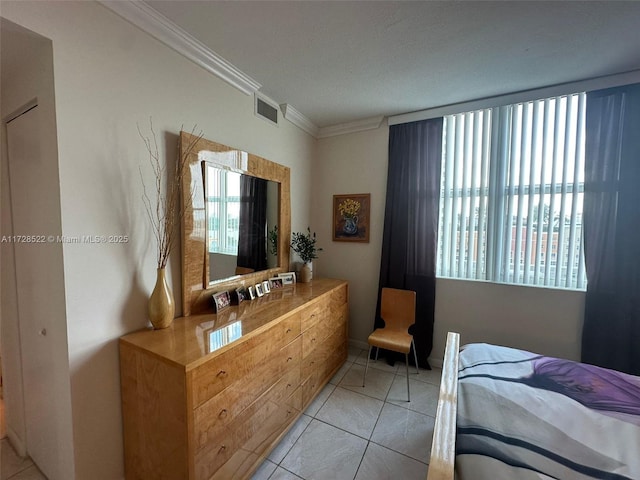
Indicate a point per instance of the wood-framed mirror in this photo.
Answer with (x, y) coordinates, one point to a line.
(206, 245)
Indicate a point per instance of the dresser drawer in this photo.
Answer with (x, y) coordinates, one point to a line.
(215, 454)
(295, 399)
(291, 327)
(249, 431)
(338, 298)
(309, 387)
(223, 370)
(287, 385)
(290, 355)
(311, 314)
(215, 415)
(262, 429)
(315, 335)
(219, 411)
(311, 363)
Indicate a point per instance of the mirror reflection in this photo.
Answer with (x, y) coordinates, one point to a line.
(242, 213)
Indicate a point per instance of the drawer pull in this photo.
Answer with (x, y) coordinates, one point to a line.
(222, 448)
(288, 330)
(288, 385)
(313, 339)
(289, 359)
(221, 373)
(223, 413)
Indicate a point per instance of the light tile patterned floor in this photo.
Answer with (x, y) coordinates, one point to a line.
(355, 433)
(347, 433)
(13, 467)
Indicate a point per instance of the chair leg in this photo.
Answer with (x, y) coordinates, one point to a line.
(415, 355)
(406, 361)
(366, 366)
(377, 351)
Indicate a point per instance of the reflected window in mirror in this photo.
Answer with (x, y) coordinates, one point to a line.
(223, 210)
(241, 210)
(199, 280)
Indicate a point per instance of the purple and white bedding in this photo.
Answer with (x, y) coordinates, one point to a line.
(525, 416)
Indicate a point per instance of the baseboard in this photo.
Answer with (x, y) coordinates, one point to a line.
(16, 442)
(436, 362)
(358, 344)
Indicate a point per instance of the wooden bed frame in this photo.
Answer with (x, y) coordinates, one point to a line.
(443, 446)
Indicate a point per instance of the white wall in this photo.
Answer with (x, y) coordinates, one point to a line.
(109, 77)
(355, 163)
(543, 320)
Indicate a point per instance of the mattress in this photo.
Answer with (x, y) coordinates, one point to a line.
(527, 416)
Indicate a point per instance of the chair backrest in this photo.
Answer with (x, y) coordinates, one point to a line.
(398, 308)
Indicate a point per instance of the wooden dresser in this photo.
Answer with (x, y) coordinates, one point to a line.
(210, 396)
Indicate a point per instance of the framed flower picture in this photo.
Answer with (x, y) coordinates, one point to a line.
(351, 217)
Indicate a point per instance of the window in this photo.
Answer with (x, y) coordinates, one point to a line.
(512, 192)
(223, 211)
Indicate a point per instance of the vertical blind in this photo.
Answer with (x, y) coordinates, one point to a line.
(512, 192)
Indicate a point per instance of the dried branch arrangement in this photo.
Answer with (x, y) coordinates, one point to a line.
(165, 212)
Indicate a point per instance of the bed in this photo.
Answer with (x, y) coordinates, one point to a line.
(509, 414)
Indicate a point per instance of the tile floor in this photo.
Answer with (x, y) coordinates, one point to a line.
(16, 468)
(347, 433)
(353, 433)
(11, 465)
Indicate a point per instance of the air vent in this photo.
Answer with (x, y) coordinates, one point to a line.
(265, 110)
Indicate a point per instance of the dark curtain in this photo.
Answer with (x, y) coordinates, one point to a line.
(611, 332)
(252, 241)
(411, 225)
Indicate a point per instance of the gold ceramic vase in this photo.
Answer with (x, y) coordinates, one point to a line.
(161, 305)
(306, 272)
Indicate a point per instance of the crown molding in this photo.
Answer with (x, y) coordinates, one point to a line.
(161, 28)
(299, 120)
(585, 85)
(351, 127)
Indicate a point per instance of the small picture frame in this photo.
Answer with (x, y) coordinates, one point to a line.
(221, 300)
(275, 283)
(252, 293)
(288, 278)
(259, 291)
(238, 296)
(266, 288)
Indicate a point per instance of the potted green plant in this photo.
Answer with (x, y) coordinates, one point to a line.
(305, 246)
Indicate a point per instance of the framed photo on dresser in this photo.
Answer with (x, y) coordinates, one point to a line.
(221, 300)
(288, 278)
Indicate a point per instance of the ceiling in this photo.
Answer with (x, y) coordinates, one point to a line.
(341, 61)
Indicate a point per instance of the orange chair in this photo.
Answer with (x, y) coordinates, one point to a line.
(398, 310)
